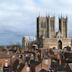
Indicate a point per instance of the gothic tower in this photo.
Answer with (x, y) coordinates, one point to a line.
(41, 27)
(50, 27)
(46, 27)
(41, 30)
(63, 26)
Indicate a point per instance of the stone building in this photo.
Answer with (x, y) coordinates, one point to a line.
(25, 42)
(5, 61)
(47, 37)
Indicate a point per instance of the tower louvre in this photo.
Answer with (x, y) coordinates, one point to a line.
(63, 26)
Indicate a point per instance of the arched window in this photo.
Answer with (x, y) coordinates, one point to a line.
(59, 44)
(43, 24)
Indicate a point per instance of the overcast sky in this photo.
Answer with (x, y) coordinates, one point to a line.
(18, 17)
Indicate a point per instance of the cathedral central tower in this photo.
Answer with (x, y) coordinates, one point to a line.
(46, 27)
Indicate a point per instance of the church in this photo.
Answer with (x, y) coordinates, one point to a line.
(47, 37)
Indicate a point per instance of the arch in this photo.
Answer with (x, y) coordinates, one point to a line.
(59, 44)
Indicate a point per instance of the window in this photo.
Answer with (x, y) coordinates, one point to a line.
(52, 25)
(43, 24)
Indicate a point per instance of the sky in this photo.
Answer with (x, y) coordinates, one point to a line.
(18, 17)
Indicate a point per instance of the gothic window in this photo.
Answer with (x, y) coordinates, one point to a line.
(59, 44)
(65, 24)
(43, 33)
(52, 25)
(43, 24)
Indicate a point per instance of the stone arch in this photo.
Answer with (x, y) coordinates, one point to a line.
(59, 44)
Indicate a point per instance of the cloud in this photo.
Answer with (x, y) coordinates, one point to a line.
(19, 16)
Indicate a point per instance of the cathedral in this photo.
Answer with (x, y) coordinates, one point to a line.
(47, 37)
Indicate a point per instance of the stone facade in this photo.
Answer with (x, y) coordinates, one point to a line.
(53, 42)
(25, 42)
(46, 27)
(47, 37)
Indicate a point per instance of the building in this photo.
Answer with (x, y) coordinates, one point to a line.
(47, 37)
(5, 60)
(25, 42)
